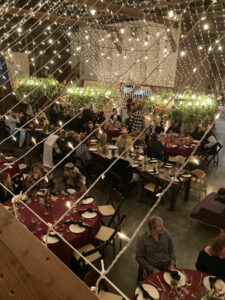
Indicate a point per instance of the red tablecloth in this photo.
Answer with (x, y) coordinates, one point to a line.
(12, 169)
(113, 131)
(63, 251)
(192, 291)
(184, 148)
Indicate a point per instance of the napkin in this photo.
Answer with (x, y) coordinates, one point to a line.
(213, 280)
(89, 210)
(174, 274)
(78, 223)
(145, 293)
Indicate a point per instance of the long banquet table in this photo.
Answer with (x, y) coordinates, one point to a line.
(59, 206)
(192, 290)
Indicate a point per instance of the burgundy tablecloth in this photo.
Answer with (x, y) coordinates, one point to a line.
(113, 131)
(193, 291)
(13, 169)
(63, 251)
(184, 147)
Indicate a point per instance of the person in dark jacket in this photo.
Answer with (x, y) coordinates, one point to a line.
(155, 147)
(211, 259)
(5, 180)
(88, 115)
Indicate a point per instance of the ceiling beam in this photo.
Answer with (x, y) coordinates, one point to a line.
(121, 10)
(42, 16)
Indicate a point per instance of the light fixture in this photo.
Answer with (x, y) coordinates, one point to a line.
(170, 13)
(93, 12)
(122, 30)
(206, 26)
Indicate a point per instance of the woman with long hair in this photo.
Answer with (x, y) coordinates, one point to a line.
(211, 259)
(72, 178)
(5, 180)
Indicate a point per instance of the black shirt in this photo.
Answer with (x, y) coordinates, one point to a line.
(155, 149)
(212, 265)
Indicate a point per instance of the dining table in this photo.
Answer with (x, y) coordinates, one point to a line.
(174, 144)
(7, 163)
(59, 205)
(192, 285)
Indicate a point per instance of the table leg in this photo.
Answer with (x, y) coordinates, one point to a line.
(173, 197)
(187, 190)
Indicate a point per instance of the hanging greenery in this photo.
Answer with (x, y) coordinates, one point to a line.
(34, 87)
(190, 108)
(79, 97)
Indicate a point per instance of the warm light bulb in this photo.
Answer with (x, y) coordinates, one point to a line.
(170, 14)
(206, 26)
(122, 30)
(93, 12)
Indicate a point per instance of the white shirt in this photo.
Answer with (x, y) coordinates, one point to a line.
(11, 122)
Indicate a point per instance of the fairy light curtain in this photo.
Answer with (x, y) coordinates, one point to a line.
(107, 59)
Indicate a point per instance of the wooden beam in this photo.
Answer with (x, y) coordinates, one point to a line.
(29, 270)
(122, 10)
(166, 4)
(42, 15)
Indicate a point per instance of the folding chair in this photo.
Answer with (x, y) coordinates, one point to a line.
(213, 154)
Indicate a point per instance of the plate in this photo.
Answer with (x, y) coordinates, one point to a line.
(112, 147)
(93, 149)
(186, 175)
(168, 166)
(88, 200)
(152, 171)
(41, 192)
(71, 191)
(206, 284)
(185, 146)
(175, 146)
(195, 141)
(50, 240)
(93, 141)
(135, 165)
(141, 157)
(75, 228)
(150, 289)
(39, 129)
(7, 164)
(176, 180)
(89, 215)
(168, 278)
(153, 160)
(9, 157)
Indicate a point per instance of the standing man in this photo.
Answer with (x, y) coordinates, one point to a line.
(155, 249)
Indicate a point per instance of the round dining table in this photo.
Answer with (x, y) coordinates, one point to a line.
(193, 289)
(7, 163)
(59, 205)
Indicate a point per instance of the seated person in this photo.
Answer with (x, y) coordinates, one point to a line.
(41, 117)
(174, 128)
(105, 151)
(155, 249)
(102, 136)
(115, 117)
(5, 179)
(72, 139)
(211, 259)
(88, 114)
(124, 169)
(82, 152)
(12, 120)
(73, 179)
(37, 172)
(89, 127)
(124, 141)
(157, 126)
(208, 143)
(197, 133)
(100, 117)
(54, 115)
(155, 147)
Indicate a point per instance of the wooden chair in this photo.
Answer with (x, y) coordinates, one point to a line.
(152, 188)
(90, 280)
(199, 182)
(115, 202)
(107, 233)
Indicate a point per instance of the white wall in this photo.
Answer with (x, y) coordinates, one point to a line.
(112, 67)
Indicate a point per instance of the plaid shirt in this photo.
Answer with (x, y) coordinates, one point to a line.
(137, 121)
(83, 153)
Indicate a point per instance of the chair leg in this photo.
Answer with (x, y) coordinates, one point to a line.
(190, 222)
